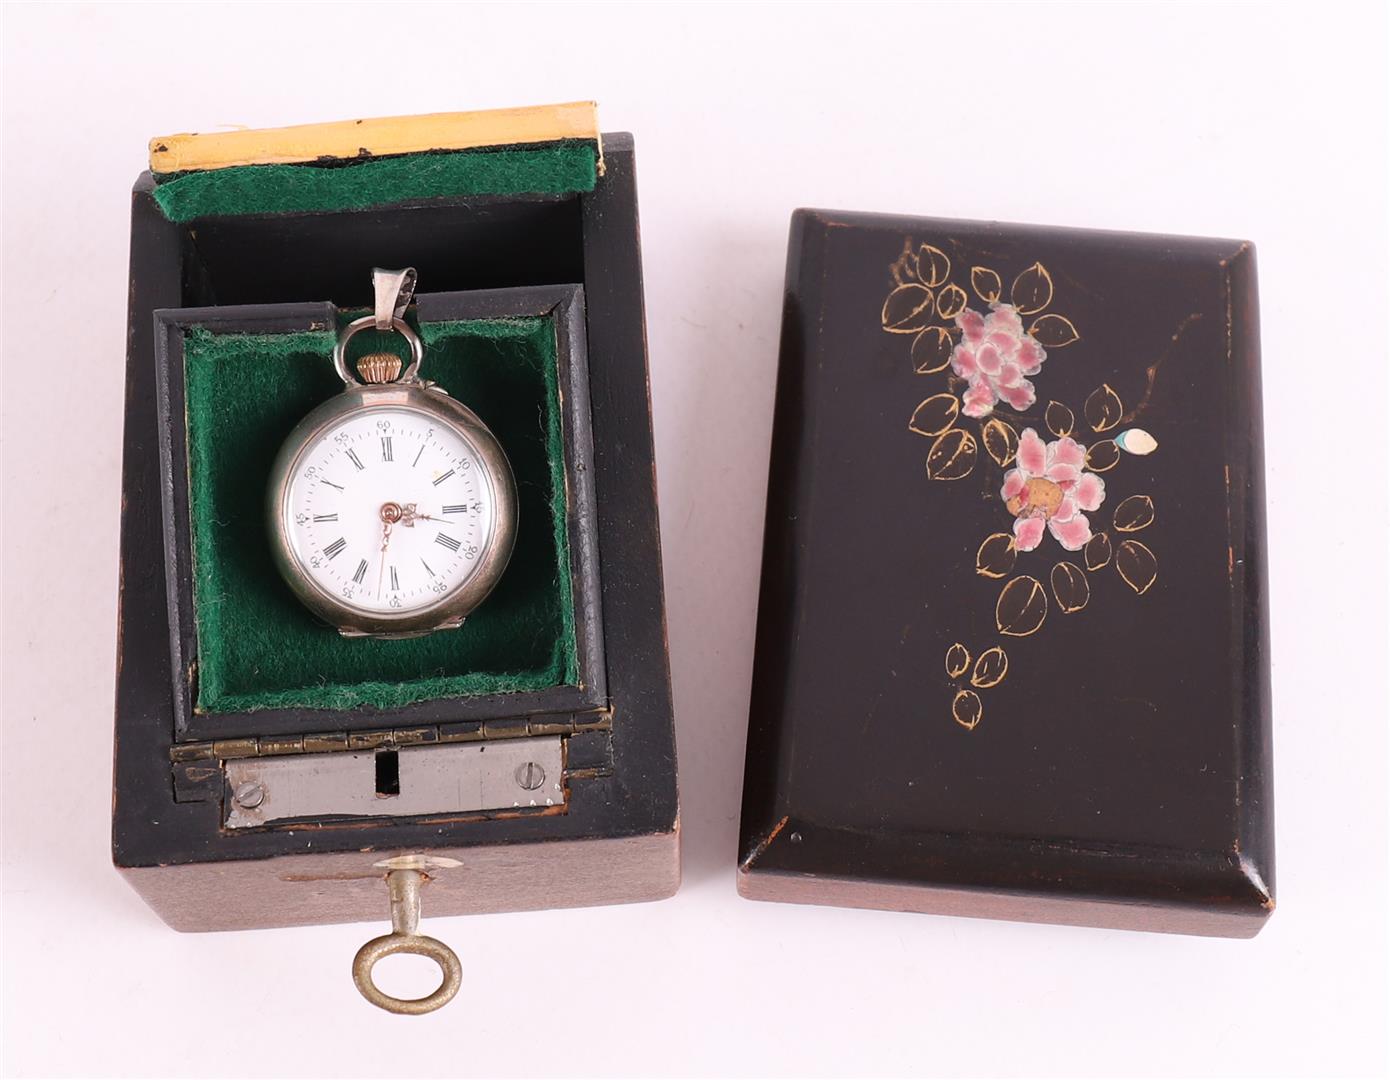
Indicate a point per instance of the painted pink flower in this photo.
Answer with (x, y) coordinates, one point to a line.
(995, 353)
(1050, 487)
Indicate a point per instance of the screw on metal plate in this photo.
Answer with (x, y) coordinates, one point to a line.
(530, 775)
(403, 883)
(249, 795)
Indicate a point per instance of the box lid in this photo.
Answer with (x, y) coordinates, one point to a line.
(550, 150)
(1011, 654)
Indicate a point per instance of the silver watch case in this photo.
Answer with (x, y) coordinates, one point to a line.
(450, 609)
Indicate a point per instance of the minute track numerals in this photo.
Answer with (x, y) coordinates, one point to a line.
(382, 482)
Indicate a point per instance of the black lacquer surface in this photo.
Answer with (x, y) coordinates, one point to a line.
(1124, 754)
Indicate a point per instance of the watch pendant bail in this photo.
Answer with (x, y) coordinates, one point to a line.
(394, 290)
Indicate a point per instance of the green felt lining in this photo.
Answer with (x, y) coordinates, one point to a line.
(554, 169)
(258, 647)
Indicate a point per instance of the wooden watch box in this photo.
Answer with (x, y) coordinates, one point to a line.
(1012, 651)
(193, 722)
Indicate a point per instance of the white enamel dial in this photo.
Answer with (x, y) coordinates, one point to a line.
(389, 511)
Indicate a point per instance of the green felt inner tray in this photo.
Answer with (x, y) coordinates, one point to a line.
(257, 646)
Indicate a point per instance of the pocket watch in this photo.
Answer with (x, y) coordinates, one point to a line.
(392, 507)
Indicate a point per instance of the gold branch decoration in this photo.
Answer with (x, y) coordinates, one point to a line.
(1047, 482)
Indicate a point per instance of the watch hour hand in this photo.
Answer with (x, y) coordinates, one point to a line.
(409, 516)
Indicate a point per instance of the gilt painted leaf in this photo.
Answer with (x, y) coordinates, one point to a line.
(1102, 456)
(933, 266)
(967, 709)
(1054, 331)
(952, 456)
(1097, 551)
(950, 301)
(1069, 587)
(931, 350)
(1136, 565)
(1000, 439)
(1021, 607)
(986, 283)
(996, 556)
(957, 660)
(904, 270)
(935, 415)
(990, 668)
(1103, 408)
(1060, 419)
(908, 309)
(1135, 513)
(1032, 290)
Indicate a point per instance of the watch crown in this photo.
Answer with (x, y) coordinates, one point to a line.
(381, 367)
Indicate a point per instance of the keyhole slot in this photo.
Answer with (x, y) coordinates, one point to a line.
(388, 774)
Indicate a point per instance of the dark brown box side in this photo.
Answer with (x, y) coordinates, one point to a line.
(618, 838)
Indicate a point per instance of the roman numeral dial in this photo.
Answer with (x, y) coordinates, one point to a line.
(389, 512)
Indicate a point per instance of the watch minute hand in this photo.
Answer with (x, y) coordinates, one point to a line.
(385, 542)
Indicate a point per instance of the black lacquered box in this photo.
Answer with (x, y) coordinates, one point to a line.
(1012, 650)
(545, 722)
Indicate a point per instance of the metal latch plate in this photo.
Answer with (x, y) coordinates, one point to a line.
(435, 779)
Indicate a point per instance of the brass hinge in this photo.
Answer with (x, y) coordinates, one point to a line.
(473, 731)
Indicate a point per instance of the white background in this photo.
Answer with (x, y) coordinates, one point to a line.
(1259, 122)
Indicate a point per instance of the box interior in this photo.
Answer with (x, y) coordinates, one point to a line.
(167, 834)
(258, 647)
